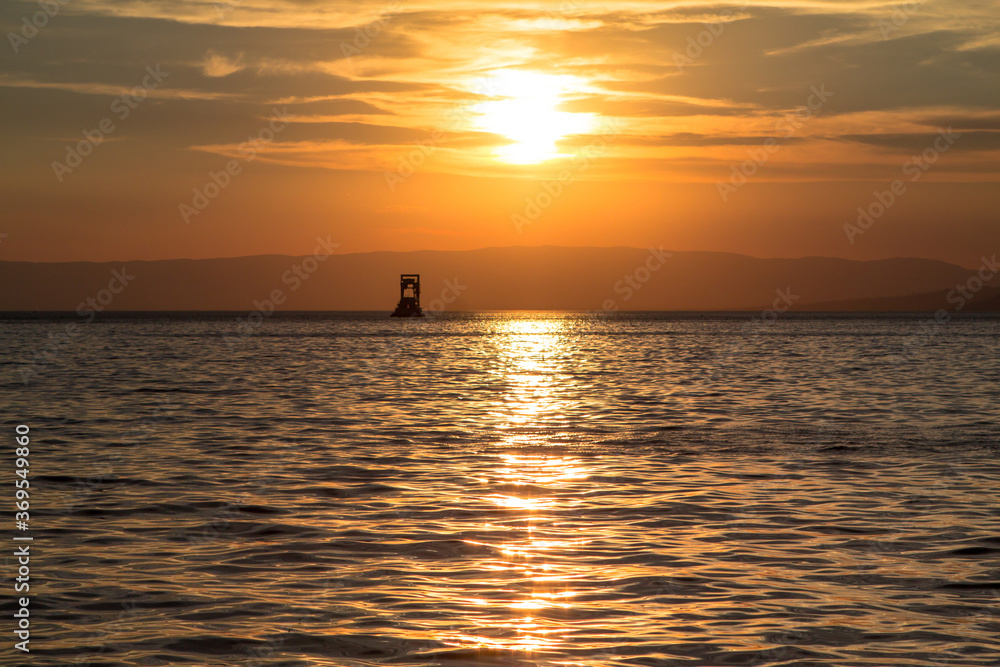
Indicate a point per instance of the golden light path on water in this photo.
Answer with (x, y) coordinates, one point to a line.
(527, 349)
(512, 495)
(550, 555)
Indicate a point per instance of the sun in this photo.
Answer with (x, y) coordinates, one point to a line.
(523, 108)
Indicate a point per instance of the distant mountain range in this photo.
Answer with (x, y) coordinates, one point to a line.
(985, 301)
(514, 278)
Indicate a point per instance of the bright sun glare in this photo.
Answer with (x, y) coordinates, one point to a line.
(523, 109)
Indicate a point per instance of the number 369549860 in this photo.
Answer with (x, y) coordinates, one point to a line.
(21, 462)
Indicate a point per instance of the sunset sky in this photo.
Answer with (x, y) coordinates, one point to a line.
(449, 125)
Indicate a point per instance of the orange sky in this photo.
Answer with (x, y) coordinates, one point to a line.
(402, 125)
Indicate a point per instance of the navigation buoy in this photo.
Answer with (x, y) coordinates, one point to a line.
(409, 296)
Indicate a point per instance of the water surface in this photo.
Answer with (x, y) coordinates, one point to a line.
(532, 489)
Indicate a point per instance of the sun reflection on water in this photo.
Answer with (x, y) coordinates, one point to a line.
(530, 355)
(475, 522)
(533, 568)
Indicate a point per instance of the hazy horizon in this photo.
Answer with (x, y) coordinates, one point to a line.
(512, 278)
(485, 248)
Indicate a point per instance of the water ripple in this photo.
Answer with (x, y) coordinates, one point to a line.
(515, 490)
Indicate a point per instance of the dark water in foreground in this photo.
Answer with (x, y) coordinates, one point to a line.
(511, 490)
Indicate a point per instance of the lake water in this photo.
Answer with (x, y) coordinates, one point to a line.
(509, 489)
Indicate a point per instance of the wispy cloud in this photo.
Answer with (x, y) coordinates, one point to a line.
(692, 85)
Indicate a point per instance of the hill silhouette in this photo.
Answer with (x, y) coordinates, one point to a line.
(512, 278)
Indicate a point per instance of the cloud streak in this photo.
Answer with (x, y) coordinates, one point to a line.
(745, 65)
